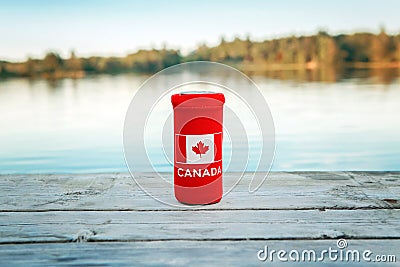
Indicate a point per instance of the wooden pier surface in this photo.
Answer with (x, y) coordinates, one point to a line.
(107, 220)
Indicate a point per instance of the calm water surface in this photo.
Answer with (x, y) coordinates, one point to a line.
(76, 125)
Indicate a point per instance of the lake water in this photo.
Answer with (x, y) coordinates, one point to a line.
(76, 126)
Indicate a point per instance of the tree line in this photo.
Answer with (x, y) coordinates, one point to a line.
(358, 50)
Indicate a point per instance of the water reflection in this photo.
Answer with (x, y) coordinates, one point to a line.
(332, 75)
(347, 122)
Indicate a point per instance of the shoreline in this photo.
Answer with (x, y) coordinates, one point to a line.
(246, 68)
(315, 66)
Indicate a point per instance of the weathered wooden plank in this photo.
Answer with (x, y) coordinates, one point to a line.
(65, 226)
(291, 210)
(295, 190)
(183, 253)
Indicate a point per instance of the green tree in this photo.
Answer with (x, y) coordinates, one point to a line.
(52, 62)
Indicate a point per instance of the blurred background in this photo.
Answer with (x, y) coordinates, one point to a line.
(328, 70)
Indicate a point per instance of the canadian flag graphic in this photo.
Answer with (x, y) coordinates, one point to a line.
(197, 149)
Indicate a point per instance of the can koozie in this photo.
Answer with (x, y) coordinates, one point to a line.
(198, 118)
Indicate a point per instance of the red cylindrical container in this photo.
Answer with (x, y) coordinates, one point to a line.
(198, 147)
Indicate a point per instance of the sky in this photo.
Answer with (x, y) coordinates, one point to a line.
(115, 28)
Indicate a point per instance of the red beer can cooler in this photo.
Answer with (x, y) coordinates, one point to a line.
(198, 147)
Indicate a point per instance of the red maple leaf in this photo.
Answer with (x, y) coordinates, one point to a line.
(200, 148)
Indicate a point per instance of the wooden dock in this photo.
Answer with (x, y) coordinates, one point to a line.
(106, 220)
